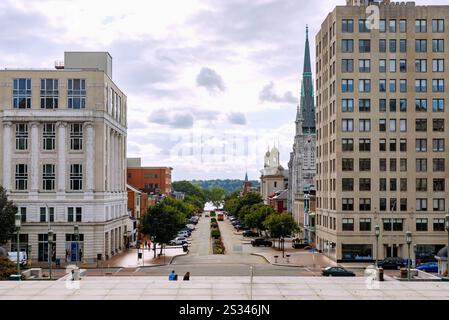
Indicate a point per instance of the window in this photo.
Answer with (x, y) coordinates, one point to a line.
(363, 26)
(421, 145)
(438, 85)
(76, 177)
(364, 125)
(438, 145)
(421, 184)
(398, 224)
(74, 214)
(421, 105)
(403, 185)
(421, 65)
(438, 25)
(76, 136)
(382, 125)
(421, 125)
(382, 66)
(383, 204)
(21, 93)
(364, 46)
(382, 184)
(438, 45)
(393, 105)
(49, 94)
(347, 85)
(347, 125)
(393, 45)
(421, 224)
(347, 45)
(365, 65)
(21, 136)
(365, 204)
(402, 26)
(44, 212)
(393, 145)
(382, 105)
(420, 46)
(382, 165)
(347, 105)
(403, 85)
(438, 225)
(48, 177)
(382, 45)
(382, 26)
(76, 93)
(21, 177)
(403, 165)
(438, 105)
(438, 125)
(392, 65)
(438, 165)
(438, 185)
(347, 26)
(438, 205)
(421, 204)
(392, 125)
(348, 164)
(364, 105)
(23, 214)
(347, 184)
(348, 145)
(393, 224)
(392, 26)
(364, 184)
(365, 145)
(392, 85)
(421, 26)
(421, 165)
(393, 166)
(347, 65)
(393, 204)
(403, 105)
(402, 65)
(403, 125)
(49, 136)
(347, 224)
(438, 65)
(403, 145)
(382, 85)
(365, 224)
(403, 204)
(403, 45)
(364, 164)
(382, 145)
(347, 204)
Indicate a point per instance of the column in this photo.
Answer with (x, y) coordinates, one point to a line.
(62, 156)
(108, 159)
(113, 160)
(7, 153)
(34, 157)
(90, 156)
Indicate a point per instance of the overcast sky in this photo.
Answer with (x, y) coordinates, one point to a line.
(210, 83)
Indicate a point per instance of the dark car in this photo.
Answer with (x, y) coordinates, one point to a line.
(337, 272)
(392, 263)
(235, 222)
(261, 242)
(249, 233)
(241, 227)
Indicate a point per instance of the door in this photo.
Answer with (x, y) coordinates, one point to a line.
(392, 252)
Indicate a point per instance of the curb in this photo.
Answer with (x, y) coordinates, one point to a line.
(279, 264)
(173, 258)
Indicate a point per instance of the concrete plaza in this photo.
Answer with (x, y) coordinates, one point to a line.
(223, 288)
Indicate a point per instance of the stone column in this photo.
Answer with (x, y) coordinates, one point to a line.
(7, 153)
(90, 156)
(35, 138)
(62, 143)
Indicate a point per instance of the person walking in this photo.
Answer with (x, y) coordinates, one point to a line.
(186, 276)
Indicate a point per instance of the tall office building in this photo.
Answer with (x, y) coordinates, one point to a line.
(382, 140)
(63, 157)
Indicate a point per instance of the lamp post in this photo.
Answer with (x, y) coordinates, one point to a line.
(76, 231)
(408, 240)
(50, 249)
(377, 233)
(282, 244)
(153, 239)
(447, 229)
(18, 222)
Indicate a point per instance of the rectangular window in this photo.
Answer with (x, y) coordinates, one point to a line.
(421, 184)
(364, 46)
(382, 105)
(347, 105)
(365, 204)
(393, 105)
(363, 26)
(347, 184)
(438, 145)
(393, 204)
(392, 125)
(49, 94)
(347, 224)
(347, 125)
(382, 145)
(421, 105)
(364, 184)
(347, 85)
(21, 136)
(438, 105)
(382, 26)
(382, 184)
(76, 136)
(393, 166)
(438, 165)
(438, 25)
(438, 225)
(438, 205)
(382, 66)
(21, 177)
(364, 125)
(347, 164)
(392, 85)
(47, 213)
(403, 204)
(403, 125)
(421, 224)
(421, 65)
(76, 177)
(402, 65)
(392, 145)
(383, 204)
(382, 45)
(421, 125)
(48, 136)
(421, 26)
(421, 165)
(48, 177)
(420, 46)
(382, 85)
(348, 145)
(402, 26)
(392, 65)
(23, 214)
(382, 125)
(403, 145)
(382, 165)
(392, 26)
(347, 26)
(364, 65)
(403, 85)
(347, 65)
(403, 45)
(403, 165)
(74, 214)
(347, 45)
(438, 85)
(364, 164)
(438, 65)
(364, 105)
(347, 204)
(438, 45)
(393, 45)
(76, 93)
(365, 145)
(21, 94)
(438, 185)
(421, 145)
(365, 224)
(403, 105)
(438, 125)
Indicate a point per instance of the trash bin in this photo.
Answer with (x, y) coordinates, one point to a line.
(276, 259)
(288, 258)
(404, 273)
(185, 247)
(380, 273)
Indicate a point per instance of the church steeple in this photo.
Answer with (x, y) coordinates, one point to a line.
(307, 112)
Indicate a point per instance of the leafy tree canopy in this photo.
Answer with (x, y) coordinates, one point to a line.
(7, 220)
(280, 225)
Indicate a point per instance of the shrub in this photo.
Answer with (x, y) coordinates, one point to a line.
(7, 268)
(213, 220)
(213, 214)
(215, 233)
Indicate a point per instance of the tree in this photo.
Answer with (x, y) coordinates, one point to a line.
(243, 212)
(280, 225)
(216, 196)
(249, 200)
(186, 209)
(7, 217)
(257, 216)
(195, 202)
(7, 268)
(189, 189)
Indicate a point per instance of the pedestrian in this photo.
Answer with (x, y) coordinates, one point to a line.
(186, 276)
(172, 276)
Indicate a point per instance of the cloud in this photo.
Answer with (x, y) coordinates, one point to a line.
(237, 118)
(210, 80)
(175, 120)
(268, 94)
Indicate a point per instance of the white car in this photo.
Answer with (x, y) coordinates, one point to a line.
(23, 259)
(183, 234)
(191, 226)
(178, 241)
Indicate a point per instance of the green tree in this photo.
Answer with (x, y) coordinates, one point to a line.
(189, 189)
(249, 200)
(195, 202)
(7, 268)
(7, 219)
(216, 196)
(280, 225)
(243, 212)
(186, 209)
(257, 216)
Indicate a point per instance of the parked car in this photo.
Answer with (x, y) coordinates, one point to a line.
(190, 226)
(337, 272)
(186, 230)
(249, 233)
(261, 242)
(428, 267)
(206, 215)
(232, 218)
(392, 263)
(184, 234)
(23, 259)
(178, 241)
(235, 222)
(241, 227)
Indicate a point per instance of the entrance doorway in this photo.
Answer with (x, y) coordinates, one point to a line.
(391, 251)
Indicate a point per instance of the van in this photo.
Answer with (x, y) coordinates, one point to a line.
(23, 259)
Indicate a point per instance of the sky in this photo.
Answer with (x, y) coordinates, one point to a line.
(211, 84)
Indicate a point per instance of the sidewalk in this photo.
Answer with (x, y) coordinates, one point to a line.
(297, 259)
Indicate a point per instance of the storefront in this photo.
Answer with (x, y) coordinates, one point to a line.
(427, 252)
(43, 247)
(74, 249)
(357, 252)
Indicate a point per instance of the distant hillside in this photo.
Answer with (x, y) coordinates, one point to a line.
(228, 186)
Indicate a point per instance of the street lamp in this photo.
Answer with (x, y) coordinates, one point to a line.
(377, 233)
(153, 239)
(50, 249)
(282, 244)
(76, 231)
(18, 222)
(447, 229)
(408, 240)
